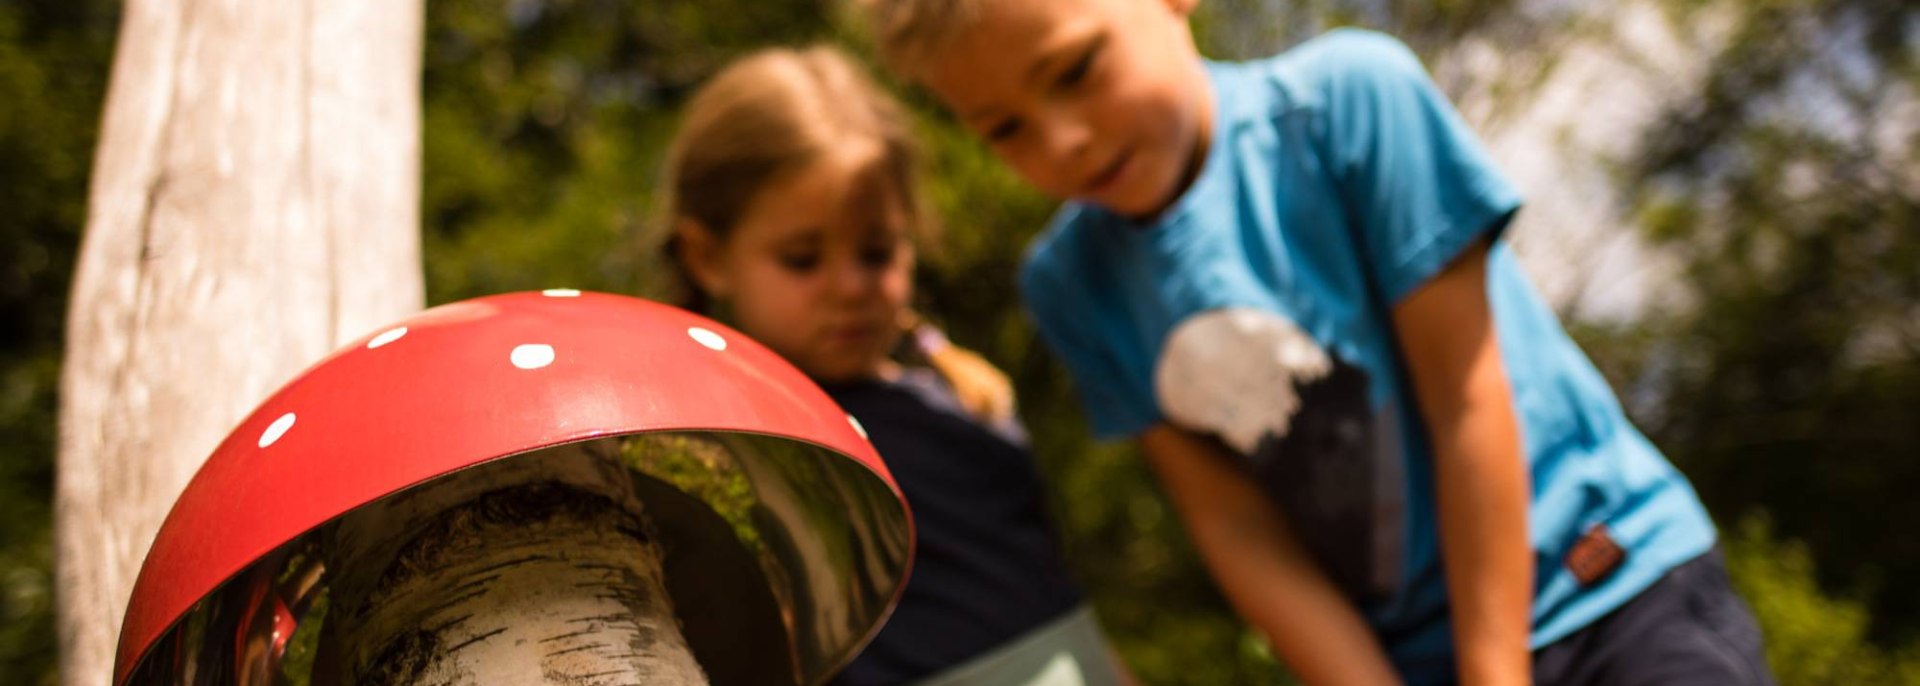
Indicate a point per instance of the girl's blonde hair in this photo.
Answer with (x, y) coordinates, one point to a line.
(769, 114)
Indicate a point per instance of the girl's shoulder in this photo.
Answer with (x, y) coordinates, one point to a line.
(919, 396)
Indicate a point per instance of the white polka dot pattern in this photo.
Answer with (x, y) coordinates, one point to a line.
(712, 340)
(532, 356)
(386, 337)
(277, 429)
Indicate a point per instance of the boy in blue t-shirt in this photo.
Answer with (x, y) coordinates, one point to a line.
(1285, 279)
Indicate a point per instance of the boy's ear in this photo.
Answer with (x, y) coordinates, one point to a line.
(700, 253)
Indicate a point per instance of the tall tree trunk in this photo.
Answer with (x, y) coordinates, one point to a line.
(254, 204)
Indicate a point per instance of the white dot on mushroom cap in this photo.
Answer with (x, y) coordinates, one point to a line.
(277, 429)
(712, 340)
(561, 293)
(856, 426)
(386, 337)
(532, 355)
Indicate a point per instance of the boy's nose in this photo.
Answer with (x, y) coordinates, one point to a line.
(1066, 137)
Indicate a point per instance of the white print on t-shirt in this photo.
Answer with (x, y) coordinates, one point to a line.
(1311, 437)
(1232, 373)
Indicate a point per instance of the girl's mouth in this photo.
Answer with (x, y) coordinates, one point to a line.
(853, 334)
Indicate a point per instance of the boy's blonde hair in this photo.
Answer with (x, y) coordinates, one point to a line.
(909, 32)
(771, 113)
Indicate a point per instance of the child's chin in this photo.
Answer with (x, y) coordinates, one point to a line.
(1112, 202)
(1140, 205)
(1132, 207)
(845, 369)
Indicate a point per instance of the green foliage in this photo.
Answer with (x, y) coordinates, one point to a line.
(296, 665)
(507, 228)
(53, 58)
(1812, 638)
(544, 123)
(700, 468)
(1787, 380)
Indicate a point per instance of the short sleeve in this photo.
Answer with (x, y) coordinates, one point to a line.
(1412, 175)
(1116, 405)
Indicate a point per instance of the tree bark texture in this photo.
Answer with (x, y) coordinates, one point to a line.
(254, 204)
(535, 569)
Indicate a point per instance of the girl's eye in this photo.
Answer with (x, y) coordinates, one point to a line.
(879, 255)
(800, 263)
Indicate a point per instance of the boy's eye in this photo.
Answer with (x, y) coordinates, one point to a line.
(1006, 129)
(1077, 71)
(799, 262)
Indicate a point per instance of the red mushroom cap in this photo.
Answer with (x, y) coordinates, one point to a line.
(479, 380)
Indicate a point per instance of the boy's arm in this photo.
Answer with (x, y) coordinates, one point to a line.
(1259, 564)
(1446, 333)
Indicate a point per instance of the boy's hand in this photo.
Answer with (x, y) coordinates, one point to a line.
(1259, 564)
(1446, 333)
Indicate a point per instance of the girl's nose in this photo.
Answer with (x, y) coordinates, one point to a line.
(853, 278)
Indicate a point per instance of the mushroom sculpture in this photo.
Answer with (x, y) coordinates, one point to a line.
(554, 487)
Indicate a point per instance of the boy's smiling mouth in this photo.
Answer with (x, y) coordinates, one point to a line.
(1109, 176)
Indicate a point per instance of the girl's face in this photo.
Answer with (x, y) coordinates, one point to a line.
(819, 267)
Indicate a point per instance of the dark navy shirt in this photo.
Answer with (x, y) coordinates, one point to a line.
(987, 567)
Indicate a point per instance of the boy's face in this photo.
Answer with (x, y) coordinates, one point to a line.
(1102, 101)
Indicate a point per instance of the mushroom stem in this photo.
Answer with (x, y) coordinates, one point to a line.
(527, 571)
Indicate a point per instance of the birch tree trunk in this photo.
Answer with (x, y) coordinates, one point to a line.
(538, 569)
(254, 204)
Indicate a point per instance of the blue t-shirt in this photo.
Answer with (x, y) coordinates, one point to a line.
(1257, 309)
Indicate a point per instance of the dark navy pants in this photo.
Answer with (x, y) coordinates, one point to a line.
(1687, 628)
